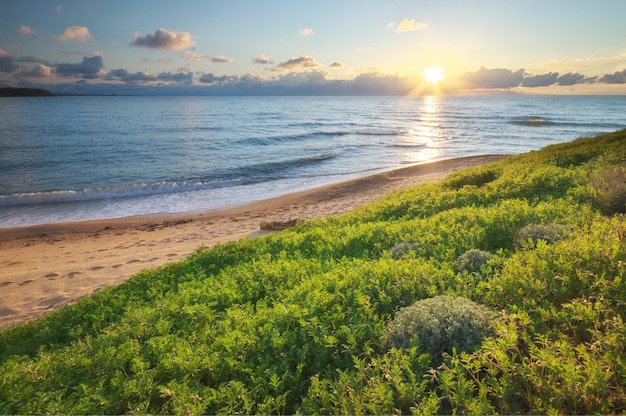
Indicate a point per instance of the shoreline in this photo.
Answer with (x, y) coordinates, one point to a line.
(47, 266)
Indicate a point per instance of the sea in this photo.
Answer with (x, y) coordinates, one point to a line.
(81, 158)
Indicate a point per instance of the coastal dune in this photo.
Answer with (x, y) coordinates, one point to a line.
(47, 266)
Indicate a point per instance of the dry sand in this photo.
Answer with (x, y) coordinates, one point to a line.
(47, 266)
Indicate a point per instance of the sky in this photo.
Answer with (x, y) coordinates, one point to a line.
(320, 47)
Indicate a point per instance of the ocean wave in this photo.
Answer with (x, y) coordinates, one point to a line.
(536, 121)
(270, 140)
(262, 172)
(125, 191)
(245, 175)
(533, 121)
(409, 144)
(380, 132)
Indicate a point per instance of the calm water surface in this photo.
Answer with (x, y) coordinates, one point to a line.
(78, 158)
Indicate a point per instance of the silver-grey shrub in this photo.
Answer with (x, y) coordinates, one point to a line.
(439, 324)
(550, 233)
(473, 260)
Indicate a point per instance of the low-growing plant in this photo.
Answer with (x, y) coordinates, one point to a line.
(403, 248)
(476, 177)
(473, 260)
(440, 325)
(609, 189)
(550, 233)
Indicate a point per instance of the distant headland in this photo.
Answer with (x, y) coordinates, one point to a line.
(24, 92)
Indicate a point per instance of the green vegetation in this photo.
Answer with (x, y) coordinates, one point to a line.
(299, 322)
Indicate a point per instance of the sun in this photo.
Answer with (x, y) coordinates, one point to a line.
(433, 74)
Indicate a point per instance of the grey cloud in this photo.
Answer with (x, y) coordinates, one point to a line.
(125, 76)
(221, 59)
(213, 79)
(571, 78)
(141, 77)
(493, 78)
(302, 62)
(543, 80)
(262, 59)
(179, 77)
(89, 68)
(7, 63)
(615, 78)
(164, 39)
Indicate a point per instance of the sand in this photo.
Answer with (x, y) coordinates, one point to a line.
(47, 266)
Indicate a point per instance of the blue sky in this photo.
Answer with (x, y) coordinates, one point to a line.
(314, 47)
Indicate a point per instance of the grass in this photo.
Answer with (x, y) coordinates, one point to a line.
(296, 322)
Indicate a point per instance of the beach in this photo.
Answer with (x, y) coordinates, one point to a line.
(47, 266)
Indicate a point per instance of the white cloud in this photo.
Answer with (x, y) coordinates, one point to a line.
(307, 31)
(74, 34)
(221, 59)
(407, 25)
(262, 59)
(337, 64)
(165, 39)
(40, 71)
(26, 31)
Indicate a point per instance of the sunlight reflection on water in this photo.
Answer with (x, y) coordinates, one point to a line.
(422, 141)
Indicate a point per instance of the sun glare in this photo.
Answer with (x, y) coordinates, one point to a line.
(433, 74)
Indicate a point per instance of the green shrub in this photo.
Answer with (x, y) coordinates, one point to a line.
(473, 260)
(440, 324)
(609, 189)
(476, 177)
(550, 233)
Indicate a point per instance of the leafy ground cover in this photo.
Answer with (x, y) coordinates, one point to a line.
(298, 322)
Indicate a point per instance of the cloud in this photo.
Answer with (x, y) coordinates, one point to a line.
(89, 68)
(26, 31)
(407, 25)
(166, 40)
(221, 59)
(141, 77)
(307, 31)
(492, 78)
(615, 78)
(40, 71)
(74, 34)
(572, 78)
(543, 80)
(294, 64)
(177, 77)
(213, 79)
(7, 62)
(337, 64)
(314, 82)
(125, 76)
(262, 59)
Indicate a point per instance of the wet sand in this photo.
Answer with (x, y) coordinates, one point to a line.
(46, 266)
